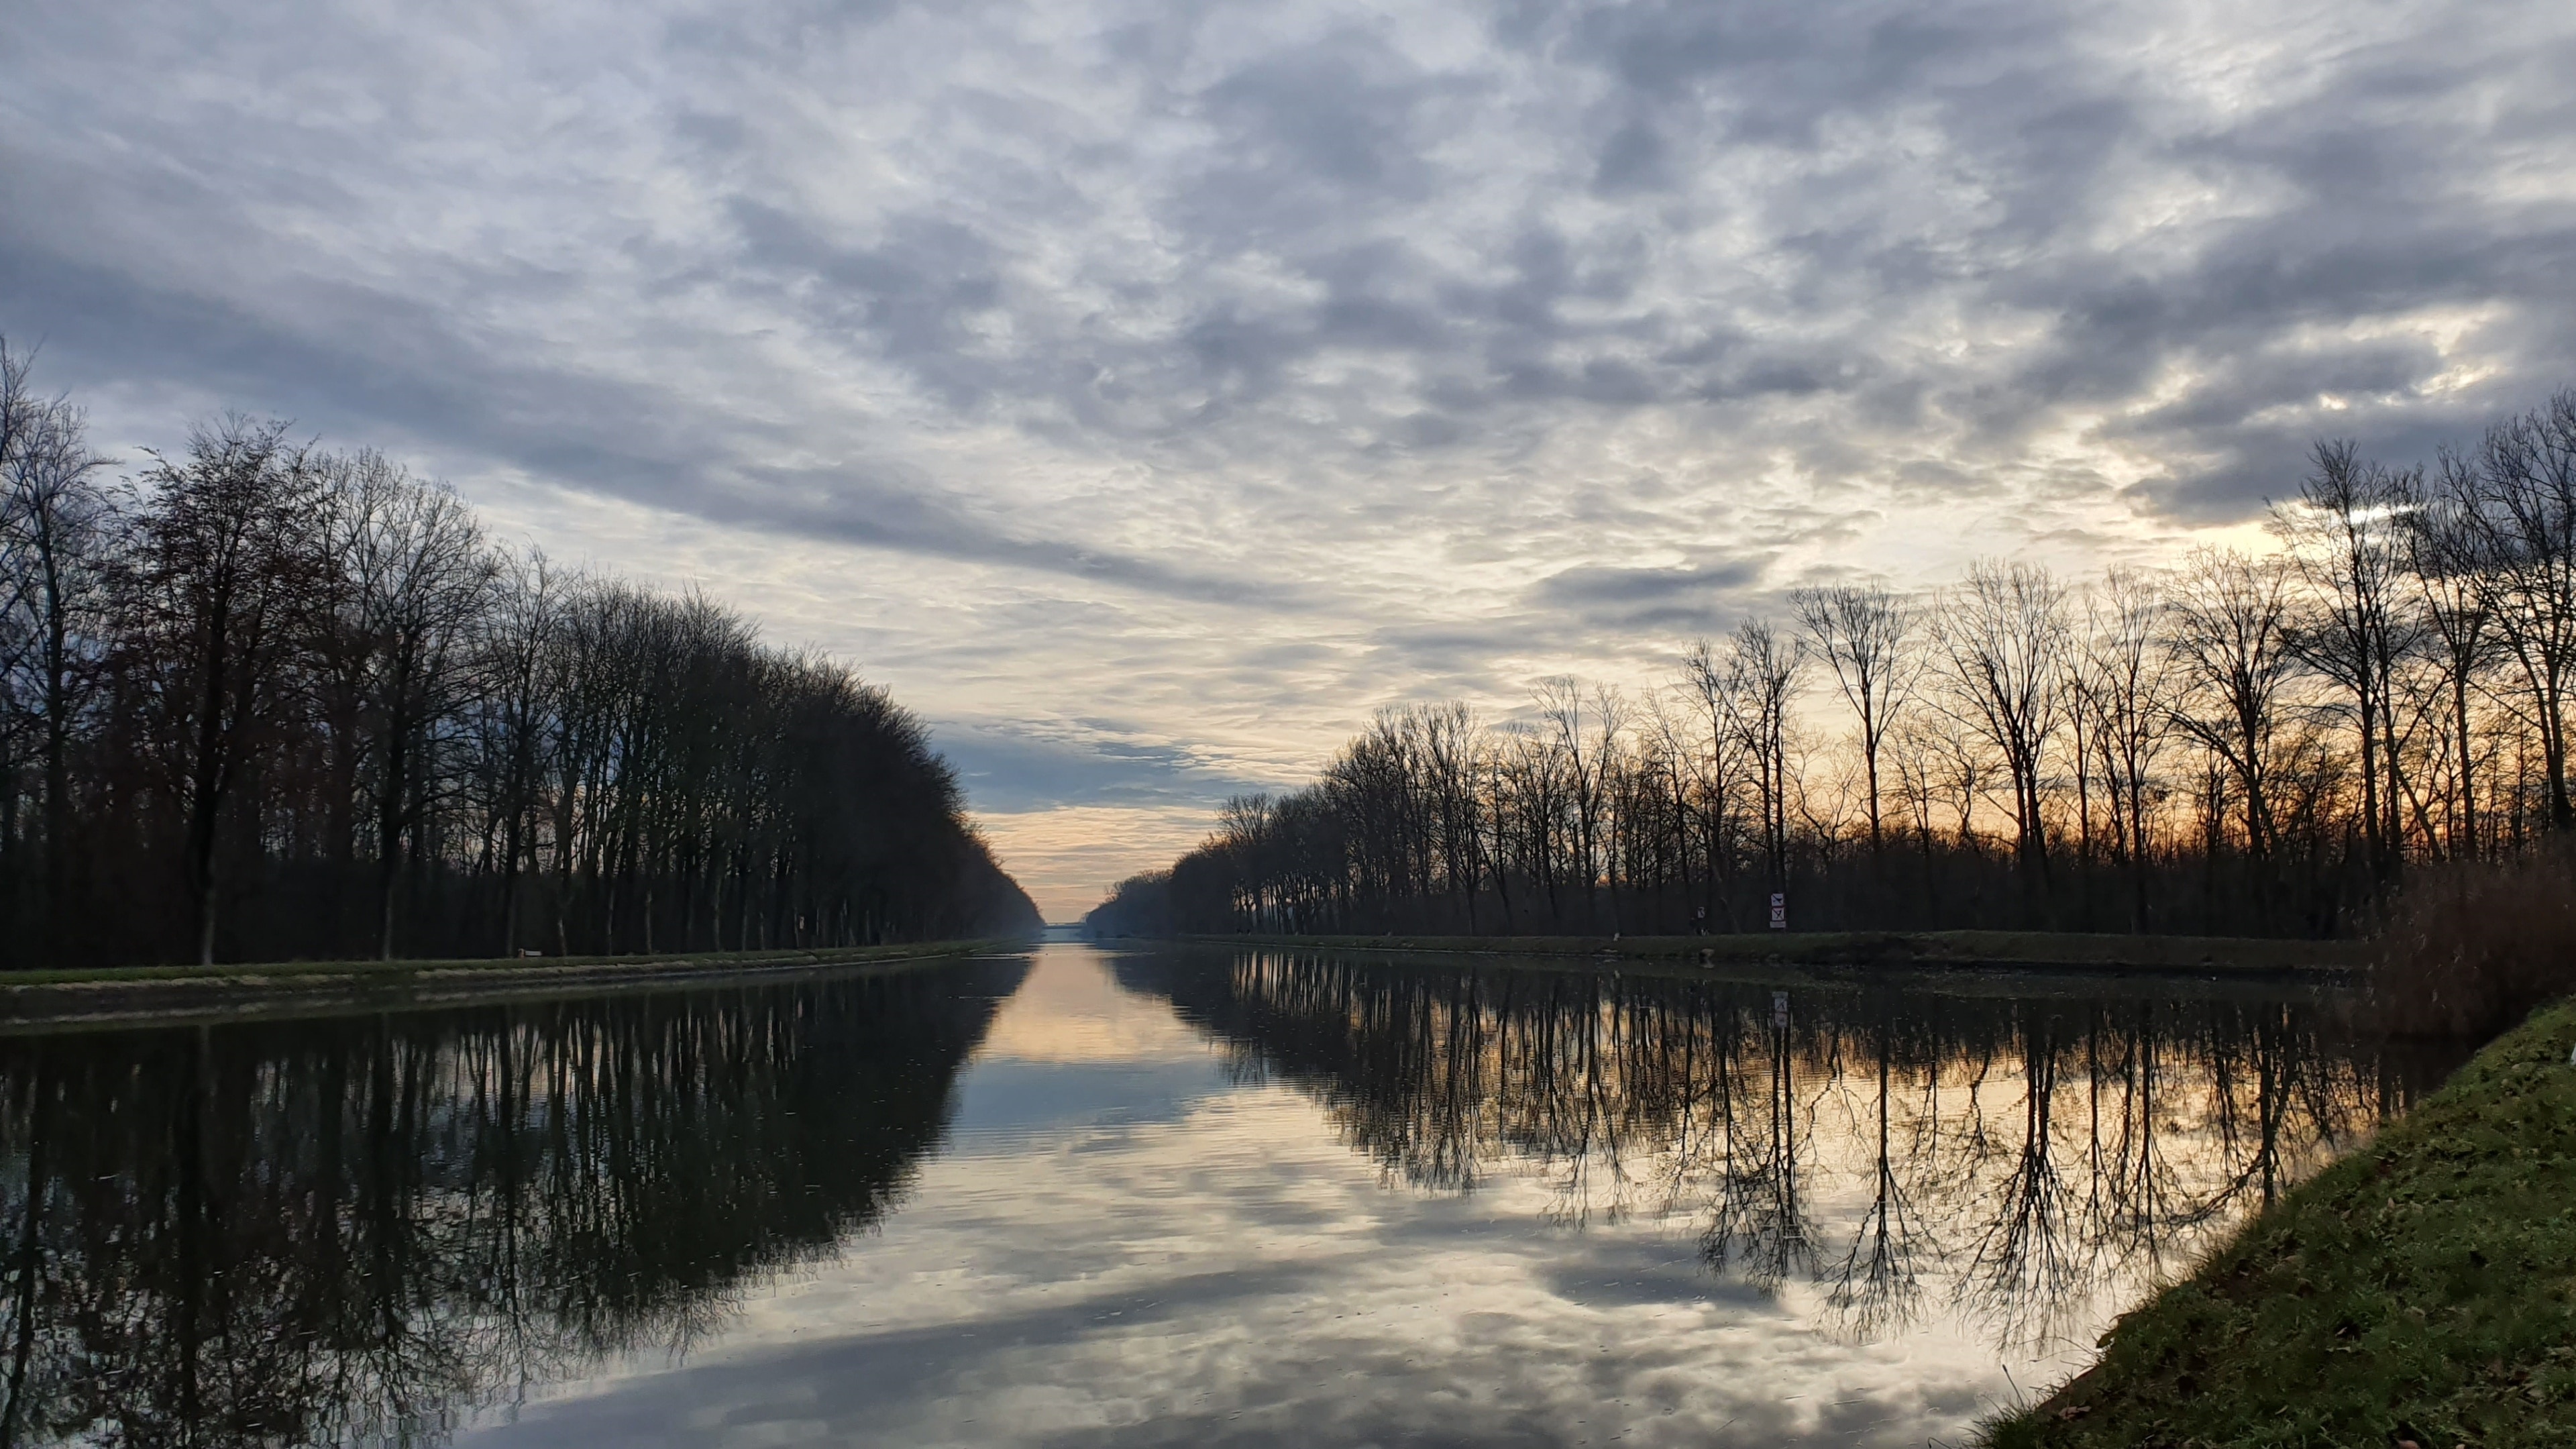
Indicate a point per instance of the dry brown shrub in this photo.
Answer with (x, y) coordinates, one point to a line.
(2473, 947)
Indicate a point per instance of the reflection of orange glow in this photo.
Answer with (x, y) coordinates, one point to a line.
(1069, 1011)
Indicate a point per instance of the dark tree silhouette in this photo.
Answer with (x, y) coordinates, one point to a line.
(276, 702)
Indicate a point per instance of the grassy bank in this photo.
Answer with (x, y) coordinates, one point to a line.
(2058, 950)
(31, 1000)
(2423, 1288)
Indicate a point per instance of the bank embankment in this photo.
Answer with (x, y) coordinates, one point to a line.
(2059, 951)
(2423, 1288)
(135, 995)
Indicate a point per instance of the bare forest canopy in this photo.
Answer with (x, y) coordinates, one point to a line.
(263, 701)
(2241, 744)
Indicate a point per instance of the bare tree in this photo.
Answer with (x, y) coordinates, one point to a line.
(57, 532)
(1673, 746)
(1864, 633)
(1766, 674)
(2125, 672)
(2442, 549)
(2003, 637)
(1451, 755)
(1711, 688)
(1588, 757)
(222, 566)
(422, 583)
(2346, 536)
(2231, 620)
(2514, 506)
(517, 637)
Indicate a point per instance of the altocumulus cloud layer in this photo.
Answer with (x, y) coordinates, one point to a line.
(1146, 391)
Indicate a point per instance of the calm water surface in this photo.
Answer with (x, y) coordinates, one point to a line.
(1089, 1196)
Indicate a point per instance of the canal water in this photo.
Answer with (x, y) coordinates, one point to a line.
(1142, 1197)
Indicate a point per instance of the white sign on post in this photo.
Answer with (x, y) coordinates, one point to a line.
(1779, 911)
(1779, 1011)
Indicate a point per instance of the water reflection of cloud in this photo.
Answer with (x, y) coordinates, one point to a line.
(1650, 1272)
(1001, 1104)
(1238, 1277)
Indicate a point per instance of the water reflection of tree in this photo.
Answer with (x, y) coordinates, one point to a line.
(1757, 1221)
(306, 1233)
(1875, 1290)
(2028, 1260)
(2058, 1143)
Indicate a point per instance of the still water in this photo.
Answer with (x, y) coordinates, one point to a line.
(1087, 1196)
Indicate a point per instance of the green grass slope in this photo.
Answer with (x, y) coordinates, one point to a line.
(2424, 1289)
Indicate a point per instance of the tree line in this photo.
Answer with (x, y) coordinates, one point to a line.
(265, 700)
(2247, 742)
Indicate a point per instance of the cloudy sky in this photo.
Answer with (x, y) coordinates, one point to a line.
(1147, 391)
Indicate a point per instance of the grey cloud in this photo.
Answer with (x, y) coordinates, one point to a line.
(912, 293)
(1633, 159)
(1428, 430)
(359, 361)
(1575, 612)
(1597, 380)
(715, 134)
(1322, 148)
(362, 359)
(1011, 766)
(2256, 402)
(865, 505)
(1775, 71)
(1005, 1102)
(1330, 122)
(1441, 656)
(1627, 586)
(1624, 1274)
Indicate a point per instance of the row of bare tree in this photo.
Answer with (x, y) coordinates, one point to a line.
(2246, 742)
(264, 700)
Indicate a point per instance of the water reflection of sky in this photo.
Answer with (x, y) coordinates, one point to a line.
(1132, 1239)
